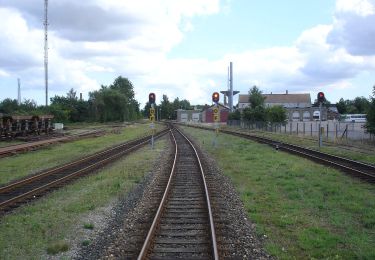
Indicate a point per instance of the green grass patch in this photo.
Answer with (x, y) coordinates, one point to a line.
(88, 226)
(351, 152)
(37, 229)
(57, 247)
(23, 164)
(85, 242)
(307, 210)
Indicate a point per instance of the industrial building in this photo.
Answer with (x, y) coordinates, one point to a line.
(298, 106)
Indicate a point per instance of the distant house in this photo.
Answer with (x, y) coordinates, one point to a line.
(208, 115)
(298, 106)
(188, 115)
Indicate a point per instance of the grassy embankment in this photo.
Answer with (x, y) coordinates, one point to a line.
(49, 224)
(27, 163)
(307, 210)
(351, 152)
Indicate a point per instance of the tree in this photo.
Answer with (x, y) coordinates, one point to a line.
(115, 102)
(256, 98)
(370, 124)
(276, 114)
(8, 106)
(257, 114)
(341, 106)
(361, 104)
(166, 108)
(236, 115)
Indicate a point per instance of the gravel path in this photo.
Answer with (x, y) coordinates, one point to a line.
(125, 228)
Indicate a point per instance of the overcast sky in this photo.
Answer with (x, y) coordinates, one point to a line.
(182, 48)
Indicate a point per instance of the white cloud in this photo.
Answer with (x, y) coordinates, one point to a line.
(125, 38)
(359, 7)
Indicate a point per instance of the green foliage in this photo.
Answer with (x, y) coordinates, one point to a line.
(88, 226)
(276, 114)
(57, 247)
(256, 98)
(111, 103)
(370, 125)
(167, 108)
(115, 102)
(257, 114)
(236, 115)
(360, 105)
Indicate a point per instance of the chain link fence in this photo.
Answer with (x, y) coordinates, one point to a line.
(333, 131)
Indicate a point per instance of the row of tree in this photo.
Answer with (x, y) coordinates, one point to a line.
(115, 102)
(167, 109)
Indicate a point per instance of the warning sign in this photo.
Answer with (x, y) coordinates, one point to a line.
(152, 114)
(216, 114)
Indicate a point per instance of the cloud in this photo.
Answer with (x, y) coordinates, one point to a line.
(354, 27)
(15, 54)
(92, 42)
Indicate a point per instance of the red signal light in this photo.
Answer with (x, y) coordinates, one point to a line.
(321, 97)
(215, 97)
(151, 98)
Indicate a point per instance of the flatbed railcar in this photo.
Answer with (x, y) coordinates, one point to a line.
(12, 126)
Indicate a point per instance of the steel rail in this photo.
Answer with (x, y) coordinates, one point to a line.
(362, 170)
(213, 233)
(12, 186)
(62, 179)
(146, 245)
(148, 241)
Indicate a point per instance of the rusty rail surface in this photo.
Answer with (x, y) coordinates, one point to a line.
(358, 169)
(183, 227)
(18, 192)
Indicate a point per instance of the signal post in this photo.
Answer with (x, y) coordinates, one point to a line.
(216, 115)
(151, 101)
(321, 98)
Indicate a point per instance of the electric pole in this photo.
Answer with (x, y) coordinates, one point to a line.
(46, 48)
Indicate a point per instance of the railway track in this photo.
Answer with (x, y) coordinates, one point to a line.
(14, 194)
(183, 226)
(45, 141)
(361, 170)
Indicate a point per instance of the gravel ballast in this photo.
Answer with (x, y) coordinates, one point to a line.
(124, 230)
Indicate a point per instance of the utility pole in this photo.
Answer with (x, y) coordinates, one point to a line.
(231, 87)
(19, 91)
(46, 48)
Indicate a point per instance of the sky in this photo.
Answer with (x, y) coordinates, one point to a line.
(182, 48)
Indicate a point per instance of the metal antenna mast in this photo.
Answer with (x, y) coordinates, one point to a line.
(19, 91)
(46, 47)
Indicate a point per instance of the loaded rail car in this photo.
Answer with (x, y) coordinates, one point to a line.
(12, 126)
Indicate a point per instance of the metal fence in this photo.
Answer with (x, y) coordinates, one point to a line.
(332, 130)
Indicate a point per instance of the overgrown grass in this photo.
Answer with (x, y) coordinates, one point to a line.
(23, 164)
(47, 225)
(351, 152)
(307, 210)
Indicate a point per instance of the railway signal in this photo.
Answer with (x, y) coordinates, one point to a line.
(151, 101)
(151, 98)
(321, 97)
(215, 97)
